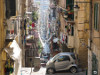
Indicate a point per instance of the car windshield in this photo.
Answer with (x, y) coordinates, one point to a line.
(55, 57)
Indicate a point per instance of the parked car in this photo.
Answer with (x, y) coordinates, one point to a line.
(44, 59)
(62, 61)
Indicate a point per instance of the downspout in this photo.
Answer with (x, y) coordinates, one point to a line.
(90, 23)
(90, 39)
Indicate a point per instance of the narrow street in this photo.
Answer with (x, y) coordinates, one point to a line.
(49, 37)
(42, 71)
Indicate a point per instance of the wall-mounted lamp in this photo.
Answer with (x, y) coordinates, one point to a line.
(76, 7)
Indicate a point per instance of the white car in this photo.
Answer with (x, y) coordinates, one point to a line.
(62, 61)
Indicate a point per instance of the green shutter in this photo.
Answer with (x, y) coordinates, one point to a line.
(96, 16)
(70, 3)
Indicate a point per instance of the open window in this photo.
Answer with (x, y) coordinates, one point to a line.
(10, 8)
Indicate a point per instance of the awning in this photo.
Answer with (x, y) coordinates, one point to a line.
(13, 50)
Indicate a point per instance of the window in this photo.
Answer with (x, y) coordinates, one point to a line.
(54, 12)
(96, 16)
(66, 58)
(10, 8)
(69, 7)
(70, 3)
(72, 30)
(63, 58)
(73, 56)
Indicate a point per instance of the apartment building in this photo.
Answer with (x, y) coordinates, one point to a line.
(94, 44)
(73, 28)
(11, 21)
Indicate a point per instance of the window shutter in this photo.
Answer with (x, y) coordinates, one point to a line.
(96, 16)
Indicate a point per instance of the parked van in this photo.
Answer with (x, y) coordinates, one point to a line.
(62, 61)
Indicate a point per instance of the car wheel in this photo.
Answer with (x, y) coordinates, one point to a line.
(73, 69)
(50, 71)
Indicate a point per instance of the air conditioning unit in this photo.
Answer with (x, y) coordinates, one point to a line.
(70, 43)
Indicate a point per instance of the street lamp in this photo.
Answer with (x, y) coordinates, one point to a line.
(76, 7)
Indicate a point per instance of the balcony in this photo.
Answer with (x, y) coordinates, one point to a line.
(10, 36)
(12, 30)
(70, 42)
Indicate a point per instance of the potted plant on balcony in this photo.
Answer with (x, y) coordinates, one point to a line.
(34, 16)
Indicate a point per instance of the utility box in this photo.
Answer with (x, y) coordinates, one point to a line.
(37, 62)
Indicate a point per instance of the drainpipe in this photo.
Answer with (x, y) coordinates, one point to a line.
(90, 23)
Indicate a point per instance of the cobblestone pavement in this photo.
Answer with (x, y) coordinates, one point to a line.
(42, 71)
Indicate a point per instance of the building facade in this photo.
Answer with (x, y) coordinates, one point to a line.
(2, 37)
(11, 21)
(73, 28)
(94, 51)
(82, 21)
(82, 33)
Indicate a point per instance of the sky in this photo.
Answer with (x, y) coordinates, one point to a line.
(44, 5)
(44, 1)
